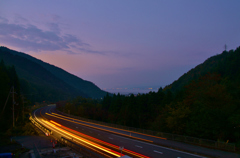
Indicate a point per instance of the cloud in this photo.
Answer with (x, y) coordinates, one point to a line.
(4, 20)
(53, 17)
(92, 51)
(31, 38)
(54, 27)
(19, 19)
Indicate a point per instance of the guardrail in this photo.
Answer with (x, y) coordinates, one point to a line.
(169, 136)
(43, 129)
(84, 151)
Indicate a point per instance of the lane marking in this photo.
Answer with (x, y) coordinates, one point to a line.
(109, 127)
(110, 138)
(76, 127)
(143, 142)
(102, 129)
(134, 153)
(157, 151)
(138, 146)
(161, 147)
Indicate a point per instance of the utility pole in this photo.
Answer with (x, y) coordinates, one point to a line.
(13, 106)
(23, 107)
(6, 101)
(13, 102)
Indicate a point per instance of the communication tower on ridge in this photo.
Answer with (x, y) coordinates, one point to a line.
(225, 47)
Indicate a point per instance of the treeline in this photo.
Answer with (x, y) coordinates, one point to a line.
(45, 82)
(8, 80)
(84, 107)
(204, 109)
(208, 106)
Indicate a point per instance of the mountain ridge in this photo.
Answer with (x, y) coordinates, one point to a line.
(63, 78)
(212, 64)
(73, 80)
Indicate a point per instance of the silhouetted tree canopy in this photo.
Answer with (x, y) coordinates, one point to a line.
(204, 102)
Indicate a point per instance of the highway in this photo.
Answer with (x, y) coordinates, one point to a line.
(104, 140)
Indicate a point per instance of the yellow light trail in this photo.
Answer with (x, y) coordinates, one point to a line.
(113, 146)
(105, 143)
(55, 123)
(98, 127)
(71, 138)
(127, 151)
(67, 134)
(113, 128)
(84, 140)
(62, 134)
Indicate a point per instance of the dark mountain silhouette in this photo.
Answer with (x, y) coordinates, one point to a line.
(202, 103)
(226, 64)
(43, 81)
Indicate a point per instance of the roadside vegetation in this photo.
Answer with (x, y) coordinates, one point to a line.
(22, 125)
(11, 95)
(202, 103)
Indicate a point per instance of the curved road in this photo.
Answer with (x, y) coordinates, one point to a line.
(144, 145)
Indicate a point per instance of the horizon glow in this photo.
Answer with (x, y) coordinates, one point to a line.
(121, 44)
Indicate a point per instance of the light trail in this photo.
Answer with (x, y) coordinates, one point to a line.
(70, 136)
(55, 123)
(84, 140)
(110, 127)
(70, 119)
(105, 143)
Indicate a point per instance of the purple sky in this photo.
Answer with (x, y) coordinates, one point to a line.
(121, 43)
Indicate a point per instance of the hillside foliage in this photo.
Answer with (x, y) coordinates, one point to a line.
(44, 82)
(8, 80)
(204, 103)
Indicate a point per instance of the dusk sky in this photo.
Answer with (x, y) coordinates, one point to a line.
(121, 43)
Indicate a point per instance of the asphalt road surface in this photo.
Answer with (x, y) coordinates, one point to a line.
(142, 144)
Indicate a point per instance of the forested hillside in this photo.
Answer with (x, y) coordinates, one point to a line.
(224, 64)
(8, 80)
(87, 87)
(204, 102)
(44, 82)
